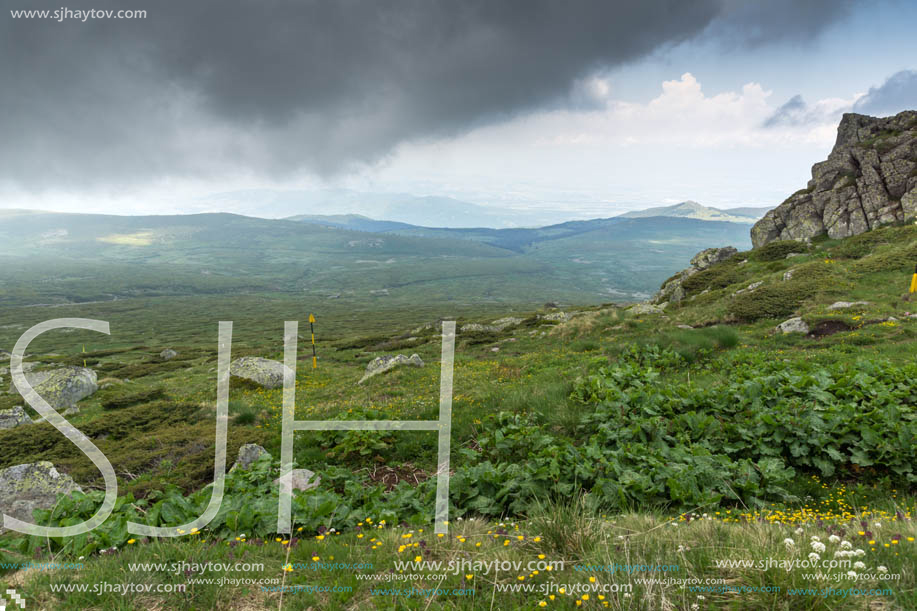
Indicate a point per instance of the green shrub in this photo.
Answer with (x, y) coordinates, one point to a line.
(715, 277)
(774, 251)
(146, 396)
(769, 301)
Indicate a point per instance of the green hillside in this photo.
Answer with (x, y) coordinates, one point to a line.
(597, 436)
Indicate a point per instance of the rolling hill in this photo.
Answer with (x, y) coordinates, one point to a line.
(62, 258)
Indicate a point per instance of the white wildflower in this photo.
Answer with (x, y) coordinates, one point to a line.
(815, 538)
(859, 552)
(834, 538)
(789, 542)
(814, 557)
(846, 545)
(859, 565)
(882, 569)
(798, 531)
(818, 546)
(851, 574)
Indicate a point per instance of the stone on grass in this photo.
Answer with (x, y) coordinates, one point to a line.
(748, 289)
(381, 364)
(793, 325)
(842, 305)
(11, 418)
(63, 388)
(25, 488)
(249, 453)
(168, 354)
(299, 479)
(264, 372)
(645, 308)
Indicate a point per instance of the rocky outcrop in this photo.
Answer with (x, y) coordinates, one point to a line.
(868, 180)
(63, 387)
(11, 418)
(672, 290)
(264, 372)
(381, 364)
(25, 488)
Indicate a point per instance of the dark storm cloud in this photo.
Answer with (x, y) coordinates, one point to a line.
(897, 93)
(203, 88)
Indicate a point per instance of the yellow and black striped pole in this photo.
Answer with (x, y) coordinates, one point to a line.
(312, 329)
(914, 281)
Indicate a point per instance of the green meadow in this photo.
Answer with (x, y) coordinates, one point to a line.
(697, 439)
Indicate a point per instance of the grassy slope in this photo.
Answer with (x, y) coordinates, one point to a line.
(531, 377)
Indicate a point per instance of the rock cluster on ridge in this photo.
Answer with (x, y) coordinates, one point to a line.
(672, 290)
(868, 180)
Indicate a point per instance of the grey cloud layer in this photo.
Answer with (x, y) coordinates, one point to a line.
(897, 93)
(203, 88)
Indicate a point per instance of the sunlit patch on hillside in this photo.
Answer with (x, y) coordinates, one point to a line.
(140, 238)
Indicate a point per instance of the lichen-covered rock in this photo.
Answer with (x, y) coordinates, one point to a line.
(495, 327)
(748, 289)
(25, 488)
(381, 364)
(711, 256)
(673, 291)
(843, 305)
(264, 372)
(645, 308)
(248, 455)
(11, 418)
(63, 388)
(301, 479)
(558, 316)
(168, 354)
(793, 325)
(868, 180)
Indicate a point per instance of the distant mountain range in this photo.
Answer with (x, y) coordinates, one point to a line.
(693, 210)
(343, 207)
(428, 211)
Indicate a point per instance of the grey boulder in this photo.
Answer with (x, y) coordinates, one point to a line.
(168, 354)
(264, 372)
(381, 364)
(63, 388)
(25, 488)
(299, 479)
(793, 325)
(248, 455)
(843, 305)
(11, 418)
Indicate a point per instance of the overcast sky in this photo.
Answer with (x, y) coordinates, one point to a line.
(592, 107)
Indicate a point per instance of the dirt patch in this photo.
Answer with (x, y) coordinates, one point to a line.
(390, 476)
(828, 327)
